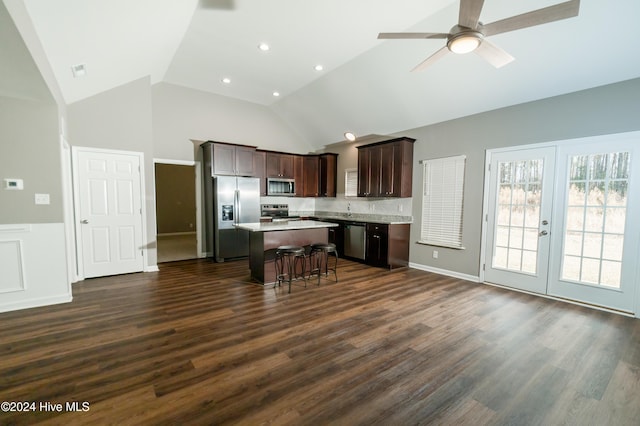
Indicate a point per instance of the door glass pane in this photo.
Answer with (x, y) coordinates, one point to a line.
(595, 218)
(518, 215)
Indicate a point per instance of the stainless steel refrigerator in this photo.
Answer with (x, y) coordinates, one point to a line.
(235, 200)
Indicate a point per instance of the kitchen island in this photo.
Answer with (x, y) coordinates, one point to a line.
(265, 238)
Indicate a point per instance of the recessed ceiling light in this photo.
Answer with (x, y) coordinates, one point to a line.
(276, 94)
(264, 47)
(318, 67)
(226, 80)
(79, 70)
(350, 136)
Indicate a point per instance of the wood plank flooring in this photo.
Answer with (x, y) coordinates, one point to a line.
(197, 344)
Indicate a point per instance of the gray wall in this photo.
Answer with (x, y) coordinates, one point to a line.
(181, 115)
(120, 119)
(604, 110)
(29, 141)
(30, 150)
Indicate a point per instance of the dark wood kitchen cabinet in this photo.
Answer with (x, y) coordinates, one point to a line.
(320, 175)
(385, 168)
(387, 245)
(231, 159)
(310, 184)
(259, 158)
(298, 174)
(279, 165)
(328, 174)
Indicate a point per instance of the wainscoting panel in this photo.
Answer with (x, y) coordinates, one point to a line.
(12, 266)
(33, 263)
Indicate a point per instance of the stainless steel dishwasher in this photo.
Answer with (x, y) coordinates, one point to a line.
(355, 240)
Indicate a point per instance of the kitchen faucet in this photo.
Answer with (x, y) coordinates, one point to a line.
(348, 209)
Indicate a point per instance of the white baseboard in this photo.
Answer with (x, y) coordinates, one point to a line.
(445, 272)
(153, 268)
(34, 303)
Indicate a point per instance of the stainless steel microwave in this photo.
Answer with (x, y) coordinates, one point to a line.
(280, 186)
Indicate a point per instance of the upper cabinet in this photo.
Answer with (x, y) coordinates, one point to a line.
(280, 165)
(314, 175)
(259, 163)
(328, 175)
(385, 168)
(311, 173)
(230, 159)
(320, 175)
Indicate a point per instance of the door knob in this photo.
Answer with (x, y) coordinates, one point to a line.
(84, 221)
(543, 233)
(545, 222)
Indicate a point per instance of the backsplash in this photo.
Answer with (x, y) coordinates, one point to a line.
(342, 204)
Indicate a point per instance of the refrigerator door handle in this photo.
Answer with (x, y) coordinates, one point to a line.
(236, 202)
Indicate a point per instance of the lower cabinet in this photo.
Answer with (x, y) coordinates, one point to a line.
(387, 245)
(336, 236)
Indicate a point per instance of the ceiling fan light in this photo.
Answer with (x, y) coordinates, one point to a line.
(464, 44)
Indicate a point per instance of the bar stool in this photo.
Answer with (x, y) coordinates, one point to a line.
(319, 260)
(287, 262)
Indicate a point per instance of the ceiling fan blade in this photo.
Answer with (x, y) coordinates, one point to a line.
(565, 10)
(411, 35)
(470, 13)
(493, 54)
(431, 59)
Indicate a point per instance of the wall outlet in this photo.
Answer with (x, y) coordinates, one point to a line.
(435, 254)
(42, 199)
(400, 207)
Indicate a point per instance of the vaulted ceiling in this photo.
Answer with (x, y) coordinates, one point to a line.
(365, 85)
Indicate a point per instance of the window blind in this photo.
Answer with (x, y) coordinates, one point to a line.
(351, 183)
(442, 197)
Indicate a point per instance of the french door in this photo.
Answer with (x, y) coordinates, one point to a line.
(560, 221)
(596, 248)
(518, 221)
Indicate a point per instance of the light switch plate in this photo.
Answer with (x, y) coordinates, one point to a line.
(42, 199)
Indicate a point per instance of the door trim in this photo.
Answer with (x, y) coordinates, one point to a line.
(75, 150)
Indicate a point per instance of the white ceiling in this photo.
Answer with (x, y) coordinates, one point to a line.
(365, 86)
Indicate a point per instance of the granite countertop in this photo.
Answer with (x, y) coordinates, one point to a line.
(284, 226)
(368, 218)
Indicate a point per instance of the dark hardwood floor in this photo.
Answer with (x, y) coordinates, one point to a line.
(197, 344)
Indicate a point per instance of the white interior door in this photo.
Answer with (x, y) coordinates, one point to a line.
(518, 218)
(595, 254)
(109, 212)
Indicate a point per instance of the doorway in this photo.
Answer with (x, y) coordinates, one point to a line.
(176, 212)
(559, 220)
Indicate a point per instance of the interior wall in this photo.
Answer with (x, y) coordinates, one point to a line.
(30, 151)
(175, 198)
(33, 259)
(603, 110)
(120, 119)
(181, 115)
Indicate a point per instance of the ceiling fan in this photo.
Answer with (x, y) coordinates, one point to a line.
(470, 34)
